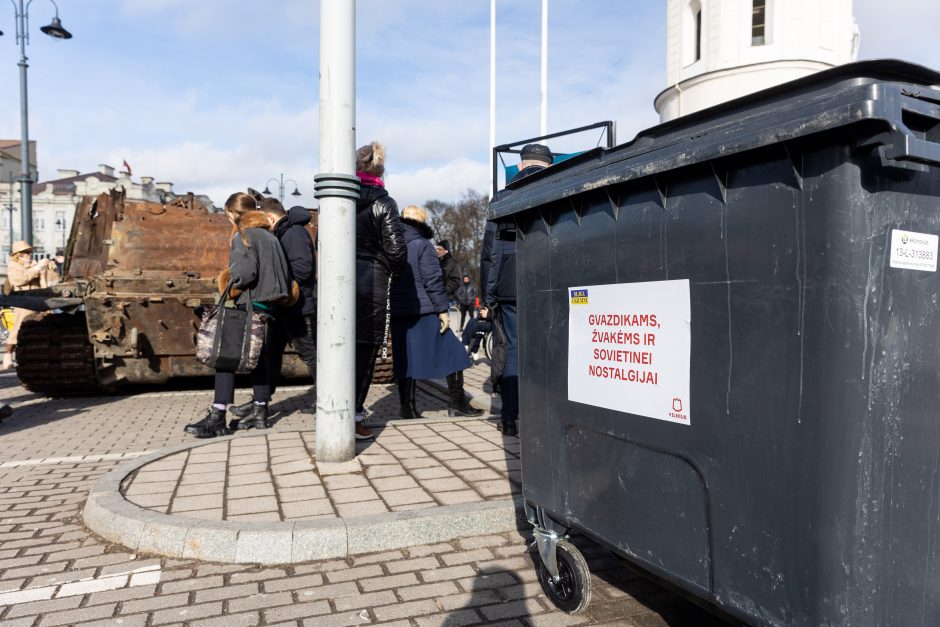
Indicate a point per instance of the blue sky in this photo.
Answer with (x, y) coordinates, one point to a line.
(217, 95)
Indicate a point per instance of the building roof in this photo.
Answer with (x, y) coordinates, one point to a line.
(10, 148)
(66, 186)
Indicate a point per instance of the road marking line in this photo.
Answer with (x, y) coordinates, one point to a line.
(142, 576)
(75, 459)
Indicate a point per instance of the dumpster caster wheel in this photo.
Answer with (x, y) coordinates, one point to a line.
(572, 591)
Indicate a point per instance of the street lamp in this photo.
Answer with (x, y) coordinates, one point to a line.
(9, 208)
(55, 30)
(280, 187)
(60, 225)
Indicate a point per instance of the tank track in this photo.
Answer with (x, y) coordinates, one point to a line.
(54, 356)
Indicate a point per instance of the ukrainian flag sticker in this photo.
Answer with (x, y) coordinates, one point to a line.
(579, 297)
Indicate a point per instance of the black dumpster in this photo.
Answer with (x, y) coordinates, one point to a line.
(730, 352)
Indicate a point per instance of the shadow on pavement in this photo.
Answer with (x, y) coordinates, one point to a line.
(490, 587)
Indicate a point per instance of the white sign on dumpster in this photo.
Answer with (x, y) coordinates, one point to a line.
(913, 251)
(629, 348)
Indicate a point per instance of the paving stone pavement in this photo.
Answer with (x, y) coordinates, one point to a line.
(54, 572)
(271, 476)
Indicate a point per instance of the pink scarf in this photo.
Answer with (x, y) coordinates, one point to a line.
(370, 179)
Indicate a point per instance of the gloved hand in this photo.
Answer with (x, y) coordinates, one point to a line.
(444, 317)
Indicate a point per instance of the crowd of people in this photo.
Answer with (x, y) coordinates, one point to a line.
(405, 285)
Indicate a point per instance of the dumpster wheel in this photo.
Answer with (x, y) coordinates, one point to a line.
(572, 591)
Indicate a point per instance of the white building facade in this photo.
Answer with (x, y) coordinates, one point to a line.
(718, 50)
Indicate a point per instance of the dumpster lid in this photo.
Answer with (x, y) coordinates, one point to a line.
(733, 127)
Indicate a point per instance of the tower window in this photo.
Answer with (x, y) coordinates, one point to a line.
(758, 23)
(698, 34)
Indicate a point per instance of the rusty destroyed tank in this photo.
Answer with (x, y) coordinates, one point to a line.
(136, 273)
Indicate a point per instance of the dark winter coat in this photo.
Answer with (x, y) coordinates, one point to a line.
(380, 253)
(498, 257)
(260, 267)
(466, 294)
(301, 258)
(453, 277)
(419, 288)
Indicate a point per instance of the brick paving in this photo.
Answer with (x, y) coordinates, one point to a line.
(271, 476)
(54, 572)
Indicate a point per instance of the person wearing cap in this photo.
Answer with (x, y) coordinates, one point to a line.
(449, 268)
(23, 273)
(60, 261)
(498, 283)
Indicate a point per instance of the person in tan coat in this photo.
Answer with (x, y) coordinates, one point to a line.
(23, 273)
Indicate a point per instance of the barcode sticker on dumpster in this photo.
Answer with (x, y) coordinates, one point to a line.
(629, 348)
(913, 251)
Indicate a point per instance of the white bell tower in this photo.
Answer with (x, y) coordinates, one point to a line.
(718, 50)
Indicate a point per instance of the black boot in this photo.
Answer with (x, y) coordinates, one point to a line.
(414, 403)
(406, 398)
(508, 427)
(242, 410)
(457, 404)
(257, 418)
(211, 426)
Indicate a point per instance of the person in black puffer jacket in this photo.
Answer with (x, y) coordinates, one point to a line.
(380, 253)
(257, 269)
(424, 347)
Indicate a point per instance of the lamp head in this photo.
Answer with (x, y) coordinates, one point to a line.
(296, 192)
(266, 192)
(56, 30)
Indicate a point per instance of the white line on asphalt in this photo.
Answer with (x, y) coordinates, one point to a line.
(141, 576)
(75, 459)
(289, 388)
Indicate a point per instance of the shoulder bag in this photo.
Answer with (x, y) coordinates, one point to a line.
(230, 339)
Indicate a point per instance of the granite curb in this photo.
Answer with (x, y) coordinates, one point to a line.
(114, 518)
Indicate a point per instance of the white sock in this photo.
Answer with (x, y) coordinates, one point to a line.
(221, 406)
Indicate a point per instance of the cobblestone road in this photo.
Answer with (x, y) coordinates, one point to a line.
(54, 572)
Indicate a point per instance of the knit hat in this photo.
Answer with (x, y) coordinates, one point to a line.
(537, 152)
(445, 244)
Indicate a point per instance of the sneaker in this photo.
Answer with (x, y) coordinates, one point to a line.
(362, 433)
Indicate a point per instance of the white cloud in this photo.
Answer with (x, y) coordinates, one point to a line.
(444, 182)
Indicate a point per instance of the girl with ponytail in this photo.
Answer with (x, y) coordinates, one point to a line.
(257, 268)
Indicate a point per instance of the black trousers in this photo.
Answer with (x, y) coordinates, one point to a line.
(465, 310)
(259, 377)
(301, 332)
(366, 352)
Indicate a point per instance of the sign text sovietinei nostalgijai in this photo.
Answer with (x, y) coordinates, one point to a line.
(629, 348)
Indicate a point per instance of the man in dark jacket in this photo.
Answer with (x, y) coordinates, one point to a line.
(498, 282)
(296, 324)
(466, 296)
(449, 268)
